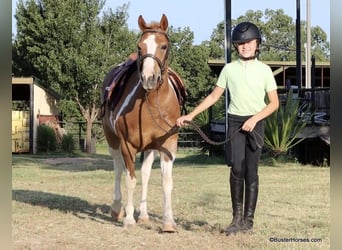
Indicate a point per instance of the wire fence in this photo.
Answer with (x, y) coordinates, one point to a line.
(187, 140)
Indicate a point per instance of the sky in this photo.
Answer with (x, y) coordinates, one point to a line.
(203, 16)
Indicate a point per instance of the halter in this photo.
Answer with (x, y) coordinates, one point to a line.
(143, 57)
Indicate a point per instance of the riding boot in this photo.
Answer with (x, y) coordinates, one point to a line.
(236, 190)
(251, 196)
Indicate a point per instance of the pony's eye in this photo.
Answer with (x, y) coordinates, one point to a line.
(164, 47)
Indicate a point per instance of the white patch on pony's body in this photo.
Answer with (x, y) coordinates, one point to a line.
(128, 99)
(148, 68)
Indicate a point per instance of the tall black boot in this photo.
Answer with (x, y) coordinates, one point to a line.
(251, 197)
(236, 190)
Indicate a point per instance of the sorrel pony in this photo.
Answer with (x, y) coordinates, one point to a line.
(142, 99)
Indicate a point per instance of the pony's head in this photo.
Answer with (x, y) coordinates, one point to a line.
(153, 48)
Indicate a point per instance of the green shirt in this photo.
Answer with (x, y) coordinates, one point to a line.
(247, 82)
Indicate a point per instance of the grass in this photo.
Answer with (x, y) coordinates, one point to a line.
(63, 203)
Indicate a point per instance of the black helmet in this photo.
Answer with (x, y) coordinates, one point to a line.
(245, 32)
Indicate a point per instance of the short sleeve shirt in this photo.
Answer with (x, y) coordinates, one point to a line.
(248, 83)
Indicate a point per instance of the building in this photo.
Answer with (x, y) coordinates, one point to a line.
(32, 105)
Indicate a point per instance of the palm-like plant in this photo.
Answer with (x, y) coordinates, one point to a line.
(284, 126)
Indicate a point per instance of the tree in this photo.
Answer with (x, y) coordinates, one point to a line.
(69, 48)
(278, 32)
(191, 62)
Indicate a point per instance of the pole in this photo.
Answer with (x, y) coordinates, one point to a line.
(228, 42)
(308, 42)
(298, 49)
(228, 25)
(313, 87)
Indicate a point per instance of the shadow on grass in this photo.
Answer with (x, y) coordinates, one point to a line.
(198, 160)
(79, 164)
(65, 204)
(66, 163)
(98, 212)
(103, 162)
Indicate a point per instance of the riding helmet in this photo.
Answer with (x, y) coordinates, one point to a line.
(246, 31)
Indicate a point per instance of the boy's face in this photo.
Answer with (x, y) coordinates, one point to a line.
(247, 49)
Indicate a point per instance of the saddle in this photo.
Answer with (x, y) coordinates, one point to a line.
(115, 82)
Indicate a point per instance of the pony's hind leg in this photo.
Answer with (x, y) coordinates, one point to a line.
(146, 167)
(117, 211)
(166, 164)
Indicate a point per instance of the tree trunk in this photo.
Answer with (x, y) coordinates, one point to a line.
(90, 147)
(90, 114)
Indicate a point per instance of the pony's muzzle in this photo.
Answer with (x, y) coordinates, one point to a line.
(151, 82)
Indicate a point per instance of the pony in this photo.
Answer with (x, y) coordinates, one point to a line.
(141, 100)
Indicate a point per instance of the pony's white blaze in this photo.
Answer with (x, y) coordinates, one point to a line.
(148, 67)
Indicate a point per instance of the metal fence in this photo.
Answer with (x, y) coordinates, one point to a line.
(187, 140)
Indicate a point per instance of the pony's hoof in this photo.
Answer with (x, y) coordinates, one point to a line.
(169, 228)
(129, 223)
(117, 215)
(143, 220)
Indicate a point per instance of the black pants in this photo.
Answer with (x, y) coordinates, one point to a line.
(244, 148)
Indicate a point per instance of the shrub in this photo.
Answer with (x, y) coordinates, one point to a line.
(68, 143)
(46, 139)
(283, 127)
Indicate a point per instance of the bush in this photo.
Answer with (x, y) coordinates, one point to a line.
(283, 127)
(46, 139)
(68, 143)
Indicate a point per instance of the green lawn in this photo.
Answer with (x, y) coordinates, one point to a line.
(63, 203)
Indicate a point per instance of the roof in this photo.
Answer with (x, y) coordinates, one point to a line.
(32, 81)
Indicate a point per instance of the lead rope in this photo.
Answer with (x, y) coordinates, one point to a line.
(196, 127)
(208, 140)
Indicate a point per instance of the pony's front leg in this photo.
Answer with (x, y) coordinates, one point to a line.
(166, 164)
(146, 167)
(130, 186)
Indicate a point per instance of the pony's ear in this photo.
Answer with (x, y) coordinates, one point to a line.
(164, 23)
(141, 23)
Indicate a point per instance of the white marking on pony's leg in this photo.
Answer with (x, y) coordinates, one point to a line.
(130, 186)
(146, 167)
(167, 183)
(117, 211)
